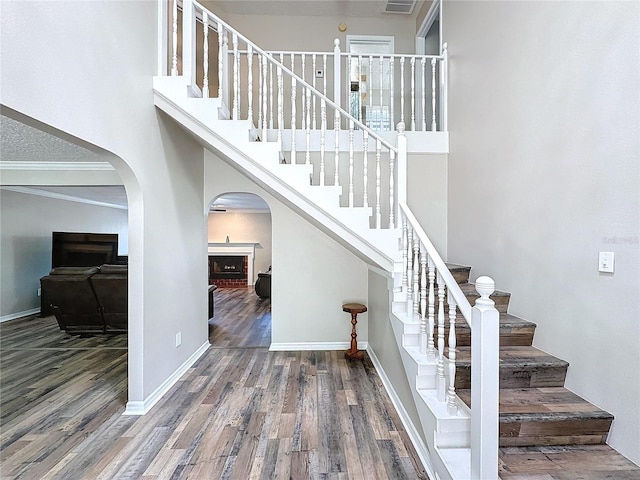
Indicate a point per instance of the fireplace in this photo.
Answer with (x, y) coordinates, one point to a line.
(245, 251)
(227, 266)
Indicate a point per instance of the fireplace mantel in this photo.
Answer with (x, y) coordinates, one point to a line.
(237, 249)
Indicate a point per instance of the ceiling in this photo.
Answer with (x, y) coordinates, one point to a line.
(315, 8)
(21, 143)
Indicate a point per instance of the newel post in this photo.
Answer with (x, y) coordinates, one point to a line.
(188, 43)
(337, 79)
(485, 343)
(401, 145)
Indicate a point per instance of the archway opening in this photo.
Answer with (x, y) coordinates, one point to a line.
(239, 236)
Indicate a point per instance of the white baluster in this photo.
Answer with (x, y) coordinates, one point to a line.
(264, 97)
(323, 133)
(359, 85)
(271, 95)
(174, 39)
(313, 63)
(205, 55)
(336, 128)
(433, 94)
(236, 81)
(409, 251)
(405, 258)
(221, 54)
(293, 118)
(378, 213)
(370, 93)
(452, 404)
(392, 157)
(351, 162)
(424, 327)
(441, 383)
(424, 95)
(413, 94)
(302, 97)
(432, 309)
(381, 67)
(402, 89)
(250, 83)
(324, 66)
(350, 60)
(260, 93)
(391, 94)
(416, 275)
(308, 120)
(365, 168)
(280, 101)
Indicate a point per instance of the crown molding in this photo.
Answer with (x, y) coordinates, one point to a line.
(62, 166)
(62, 196)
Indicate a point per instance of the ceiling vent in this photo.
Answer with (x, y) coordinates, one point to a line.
(400, 6)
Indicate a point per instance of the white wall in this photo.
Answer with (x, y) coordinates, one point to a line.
(244, 228)
(544, 174)
(382, 342)
(86, 69)
(312, 274)
(26, 223)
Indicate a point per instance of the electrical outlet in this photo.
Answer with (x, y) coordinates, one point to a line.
(178, 339)
(39, 291)
(319, 73)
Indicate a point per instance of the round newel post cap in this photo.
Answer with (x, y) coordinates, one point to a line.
(485, 286)
(400, 127)
(336, 42)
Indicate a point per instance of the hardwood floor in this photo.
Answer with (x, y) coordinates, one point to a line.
(241, 412)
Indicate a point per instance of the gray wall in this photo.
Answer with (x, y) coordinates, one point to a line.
(544, 174)
(26, 223)
(85, 68)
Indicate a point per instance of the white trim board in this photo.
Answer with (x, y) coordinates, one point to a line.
(141, 407)
(24, 313)
(62, 196)
(62, 166)
(421, 448)
(295, 347)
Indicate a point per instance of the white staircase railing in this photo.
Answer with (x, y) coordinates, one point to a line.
(260, 88)
(426, 286)
(416, 92)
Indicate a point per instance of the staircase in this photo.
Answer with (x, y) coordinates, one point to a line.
(535, 408)
(309, 165)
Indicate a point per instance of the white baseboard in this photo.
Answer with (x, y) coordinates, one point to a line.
(293, 347)
(421, 448)
(25, 313)
(141, 407)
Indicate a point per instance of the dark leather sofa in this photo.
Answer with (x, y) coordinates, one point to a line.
(263, 284)
(88, 299)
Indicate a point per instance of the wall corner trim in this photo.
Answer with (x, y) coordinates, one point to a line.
(414, 436)
(142, 407)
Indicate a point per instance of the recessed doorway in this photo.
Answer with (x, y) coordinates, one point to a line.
(239, 270)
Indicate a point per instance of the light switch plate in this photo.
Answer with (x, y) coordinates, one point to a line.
(606, 262)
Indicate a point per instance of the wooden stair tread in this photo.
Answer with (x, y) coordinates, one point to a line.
(588, 462)
(460, 272)
(548, 416)
(514, 355)
(530, 404)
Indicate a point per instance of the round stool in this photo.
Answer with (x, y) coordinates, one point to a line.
(354, 309)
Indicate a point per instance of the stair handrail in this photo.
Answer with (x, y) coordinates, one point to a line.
(452, 285)
(284, 69)
(483, 321)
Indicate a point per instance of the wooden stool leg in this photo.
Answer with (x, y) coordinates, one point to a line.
(353, 352)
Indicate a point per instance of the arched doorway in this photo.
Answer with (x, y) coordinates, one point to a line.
(239, 232)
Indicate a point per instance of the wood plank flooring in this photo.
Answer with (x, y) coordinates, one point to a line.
(241, 412)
